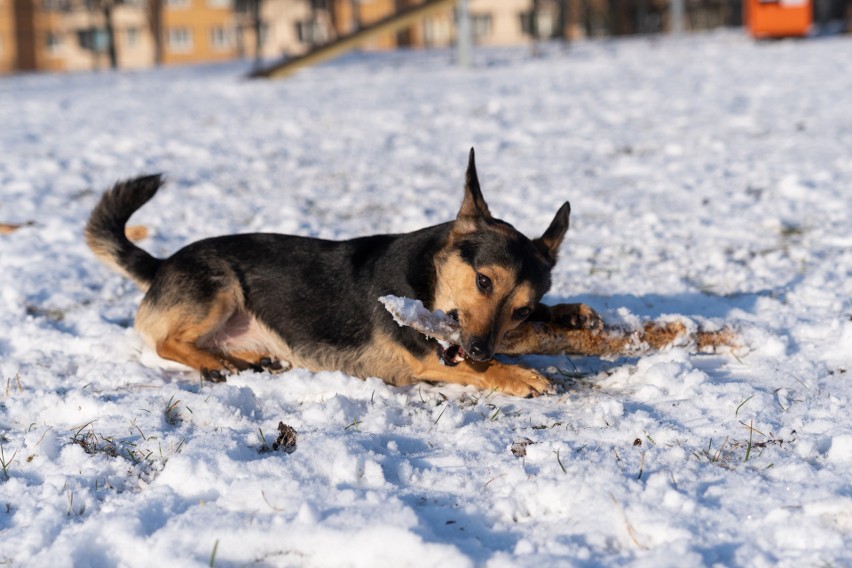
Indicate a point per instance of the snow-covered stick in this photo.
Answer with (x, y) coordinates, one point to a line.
(546, 338)
(413, 314)
(552, 339)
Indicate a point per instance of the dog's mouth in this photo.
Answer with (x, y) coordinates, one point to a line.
(451, 355)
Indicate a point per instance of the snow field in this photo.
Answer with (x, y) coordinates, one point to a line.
(708, 176)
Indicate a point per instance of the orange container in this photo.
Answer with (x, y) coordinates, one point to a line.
(778, 18)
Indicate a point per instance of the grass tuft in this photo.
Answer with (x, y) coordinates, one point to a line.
(439, 416)
(741, 405)
(750, 439)
(172, 413)
(6, 463)
(559, 461)
(264, 446)
(641, 466)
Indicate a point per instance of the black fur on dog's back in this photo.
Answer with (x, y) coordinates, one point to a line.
(105, 230)
(319, 296)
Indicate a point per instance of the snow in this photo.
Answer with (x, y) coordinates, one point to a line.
(709, 178)
(411, 312)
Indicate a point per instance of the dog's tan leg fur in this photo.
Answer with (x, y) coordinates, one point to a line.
(491, 375)
(182, 333)
(181, 347)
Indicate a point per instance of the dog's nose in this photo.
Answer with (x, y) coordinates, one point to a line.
(479, 349)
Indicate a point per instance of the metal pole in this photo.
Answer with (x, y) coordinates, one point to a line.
(676, 22)
(464, 33)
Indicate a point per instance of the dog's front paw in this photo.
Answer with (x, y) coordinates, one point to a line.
(576, 316)
(272, 366)
(519, 381)
(215, 375)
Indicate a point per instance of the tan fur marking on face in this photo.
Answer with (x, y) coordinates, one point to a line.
(482, 315)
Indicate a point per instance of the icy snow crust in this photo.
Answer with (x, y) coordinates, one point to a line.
(708, 176)
(411, 312)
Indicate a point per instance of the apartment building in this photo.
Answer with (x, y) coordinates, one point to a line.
(494, 22)
(74, 35)
(71, 35)
(199, 30)
(286, 27)
(8, 53)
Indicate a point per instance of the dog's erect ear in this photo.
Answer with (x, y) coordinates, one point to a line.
(474, 211)
(549, 242)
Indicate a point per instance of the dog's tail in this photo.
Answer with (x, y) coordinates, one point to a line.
(105, 230)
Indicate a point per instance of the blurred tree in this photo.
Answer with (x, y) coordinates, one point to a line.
(155, 24)
(98, 37)
(107, 9)
(252, 10)
(562, 21)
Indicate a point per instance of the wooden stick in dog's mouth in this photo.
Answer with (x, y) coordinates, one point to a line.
(545, 338)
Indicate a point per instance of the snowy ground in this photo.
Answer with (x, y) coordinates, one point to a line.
(709, 176)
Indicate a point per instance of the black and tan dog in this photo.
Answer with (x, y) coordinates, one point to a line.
(266, 301)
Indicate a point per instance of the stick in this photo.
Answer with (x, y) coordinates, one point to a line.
(544, 338)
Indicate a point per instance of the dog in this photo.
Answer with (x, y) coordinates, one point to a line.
(267, 301)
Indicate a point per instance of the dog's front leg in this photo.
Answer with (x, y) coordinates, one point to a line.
(491, 375)
(571, 316)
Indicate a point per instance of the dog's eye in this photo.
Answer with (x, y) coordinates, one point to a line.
(483, 283)
(522, 313)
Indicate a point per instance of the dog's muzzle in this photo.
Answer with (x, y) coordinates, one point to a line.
(480, 349)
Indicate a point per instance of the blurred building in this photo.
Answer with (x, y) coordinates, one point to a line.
(68, 35)
(8, 52)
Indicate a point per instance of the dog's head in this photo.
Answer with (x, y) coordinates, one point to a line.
(489, 275)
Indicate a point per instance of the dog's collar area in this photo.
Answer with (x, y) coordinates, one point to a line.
(450, 356)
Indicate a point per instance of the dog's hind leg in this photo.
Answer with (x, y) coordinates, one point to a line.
(260, 361)
(185, 332)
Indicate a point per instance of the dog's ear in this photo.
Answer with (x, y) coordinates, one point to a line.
(474, 211)
(549, 242)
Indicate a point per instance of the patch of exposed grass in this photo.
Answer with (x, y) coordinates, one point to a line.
(171, 413)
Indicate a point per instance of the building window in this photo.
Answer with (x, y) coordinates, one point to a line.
(220, 3)
(221, 38)
(310, 32)
(131, 37)
(93, 39)
(480, 25)
(179, 40)
(176, 3)
(53, 42)
(57, 5)
(243, 6)
(541, 25)
(437, 31)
